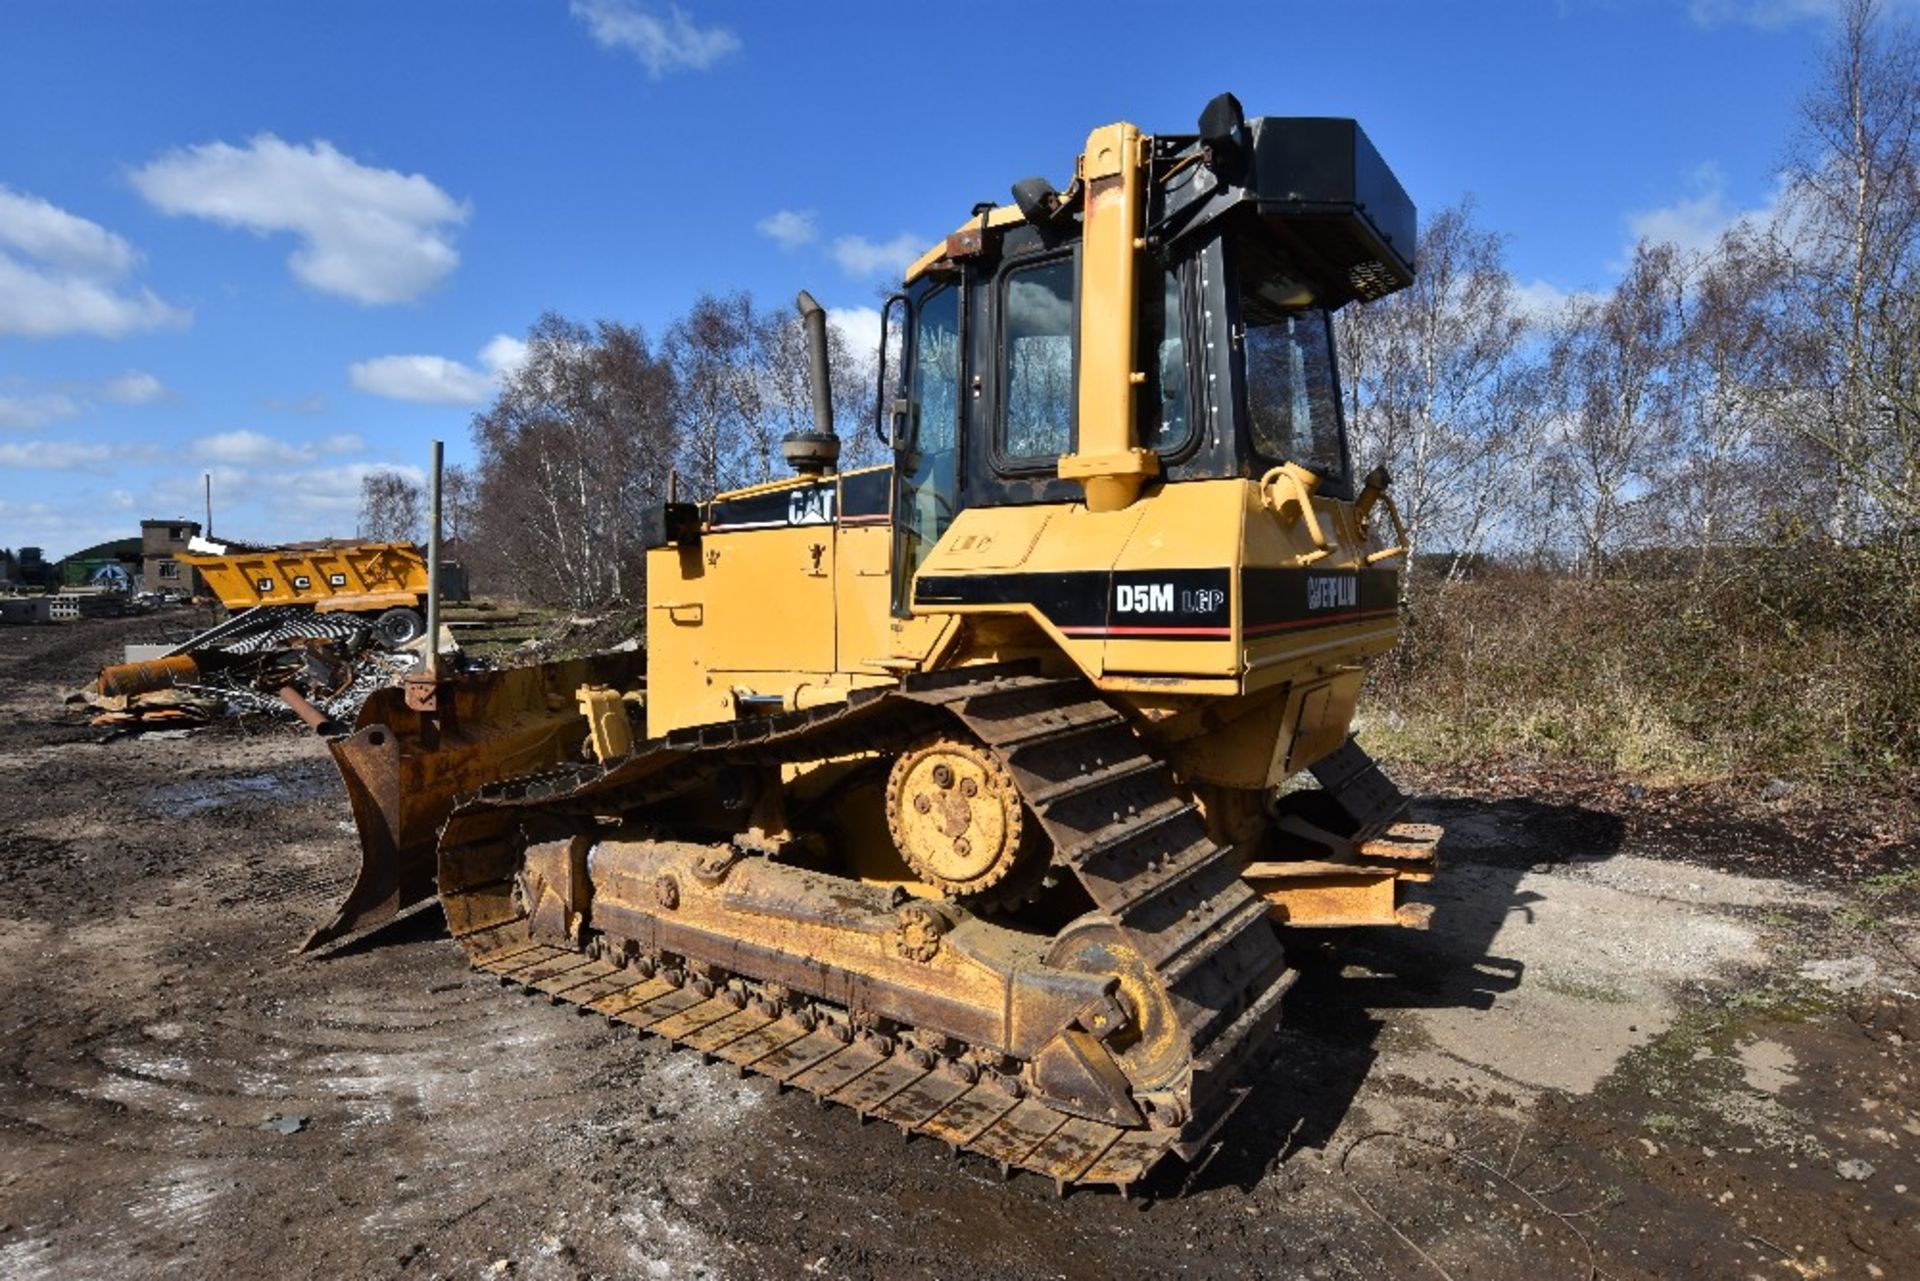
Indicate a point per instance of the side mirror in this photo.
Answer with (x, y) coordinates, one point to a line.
(1223, 131)
(1371, 490)
(885, 416)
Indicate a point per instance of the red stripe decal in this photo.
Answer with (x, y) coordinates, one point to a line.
(1221, 632)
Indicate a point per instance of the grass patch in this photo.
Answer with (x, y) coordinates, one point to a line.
(1798, 662)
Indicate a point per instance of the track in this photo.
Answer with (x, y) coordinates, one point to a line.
(1205, 966)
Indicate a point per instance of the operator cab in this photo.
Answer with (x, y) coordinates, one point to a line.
(1256, 232)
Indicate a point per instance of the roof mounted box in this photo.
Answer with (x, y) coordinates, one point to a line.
(1325, 192)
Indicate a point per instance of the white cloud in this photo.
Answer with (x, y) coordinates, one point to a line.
(661, 43)
(790, 228)
(861, 257)
(26, 410)
(1695, 223)
(345, 443)
(276, 504)
(61, 274)
(371, 235)
(60, 455)
(859, 328)
(248, 448)
(41, 230)
(436, 380)
(1543, 302)
(503, 355)
(120, 498)
(59, 527)
(25, 413)
(36, 303)
(424, 380)
(134, 388)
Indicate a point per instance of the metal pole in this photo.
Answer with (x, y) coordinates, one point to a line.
(208, 476)
(433, 570)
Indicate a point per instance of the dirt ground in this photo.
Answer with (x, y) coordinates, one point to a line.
(1648, 1036)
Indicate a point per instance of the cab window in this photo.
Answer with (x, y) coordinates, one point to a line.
(1292, 409)
(927, 443)
(1165, 414)
(1036, 410)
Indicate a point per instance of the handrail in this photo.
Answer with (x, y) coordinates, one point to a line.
(1399, 532)
(1300, 498)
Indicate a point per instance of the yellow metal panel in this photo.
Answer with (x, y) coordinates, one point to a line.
(679, 688)
(983, 538)
(1194, 525)
(753, 601)
(1069, 539)
(1319, 651)
(861, 597)
(1003, 216)
(1108, 461)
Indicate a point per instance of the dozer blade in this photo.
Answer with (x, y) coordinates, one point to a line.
(404, 768)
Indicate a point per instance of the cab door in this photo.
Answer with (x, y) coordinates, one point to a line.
(927, 437)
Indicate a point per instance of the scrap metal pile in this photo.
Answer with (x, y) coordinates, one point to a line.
(277, 660)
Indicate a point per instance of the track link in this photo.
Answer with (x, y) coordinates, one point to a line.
(1115, 820)
(921, 1096)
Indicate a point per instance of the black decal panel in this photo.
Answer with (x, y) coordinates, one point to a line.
(780, 509)
(863, 497)
(859, 499)
(1177, 604)
(1282, 600)
(1170, 604)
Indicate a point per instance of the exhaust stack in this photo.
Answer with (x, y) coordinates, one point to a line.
(814, 453)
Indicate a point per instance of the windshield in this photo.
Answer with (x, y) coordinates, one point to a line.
(1293, 403)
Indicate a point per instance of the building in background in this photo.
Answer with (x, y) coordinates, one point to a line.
(161, 542)
(113, 564)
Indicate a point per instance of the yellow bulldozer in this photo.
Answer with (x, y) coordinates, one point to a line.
(970, 791)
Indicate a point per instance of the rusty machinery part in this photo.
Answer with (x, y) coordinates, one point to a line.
(124, 680)
(955, 816)
(404, 768)
(1149, 1045)
(1125, 1032)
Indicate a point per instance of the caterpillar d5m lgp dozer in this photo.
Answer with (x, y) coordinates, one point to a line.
(966, 790)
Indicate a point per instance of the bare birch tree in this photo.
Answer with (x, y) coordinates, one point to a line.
(459, 496)
(1441, 387)
(578, 443)
(393, 509)
(1616, 429)
(743, 382)
(1851, 220)
(1727, 482)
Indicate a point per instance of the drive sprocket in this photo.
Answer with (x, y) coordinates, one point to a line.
(956, 816)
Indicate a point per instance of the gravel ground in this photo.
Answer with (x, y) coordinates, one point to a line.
(1625, 1050)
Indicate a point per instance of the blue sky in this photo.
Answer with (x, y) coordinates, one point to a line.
(289, 242)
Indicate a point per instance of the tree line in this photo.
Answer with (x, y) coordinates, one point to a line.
(1764, 388)
(598, 422)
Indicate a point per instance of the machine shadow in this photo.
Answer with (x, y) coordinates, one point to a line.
(422, 923)
(1327, 1043)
